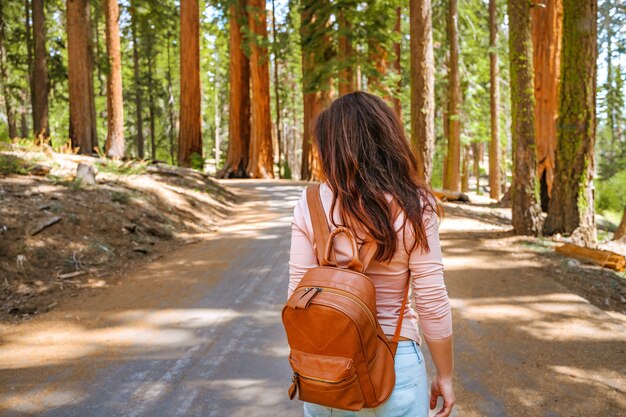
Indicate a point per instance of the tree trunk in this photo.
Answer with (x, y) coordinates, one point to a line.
(4, 79)
(620, 233)
(151, 105)
(571, 206)
(453, 157)
(281, 169)
(239, 103)
(316, 84)
(546, 23)
(476, 153)
(190, 132)
(170, 101)
(261, 157)
(139, 139)
(80, 77)
(397, 64)
(115, 145)
(422, 87)
(465, 169)
(525, 210)
(346, 52)
(29, 63)
(494, 90)
(40, 86)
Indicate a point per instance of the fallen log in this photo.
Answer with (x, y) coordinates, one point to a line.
(603, 258)
(447, 195)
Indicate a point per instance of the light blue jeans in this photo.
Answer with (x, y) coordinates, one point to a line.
(410, 394)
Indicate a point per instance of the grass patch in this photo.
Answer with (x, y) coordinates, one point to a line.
(120, 197)
(113, 166)
(10, 164)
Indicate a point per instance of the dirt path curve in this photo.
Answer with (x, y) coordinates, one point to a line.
(198, 332)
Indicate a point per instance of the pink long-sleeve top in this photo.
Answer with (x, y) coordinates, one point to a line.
(430, 304)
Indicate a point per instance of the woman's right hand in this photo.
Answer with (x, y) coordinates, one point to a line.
(442, 387)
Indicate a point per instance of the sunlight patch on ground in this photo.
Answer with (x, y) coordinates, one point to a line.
(39, 400)
(608, 378)
(63, 341)
(549, 317)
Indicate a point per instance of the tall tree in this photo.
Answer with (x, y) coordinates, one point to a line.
(397, 63)
(317, 50)
(422, 86)
(525, 210)
(115, 145)
(494, 91)
(4, 78)
(453, 156)
(80, 76)
(40, 84)
(139, 138)
(346, 50)
(29, 61)
(275, 45)
(239, 103)
(546, 35)
(190, 132)
(261, 161)
(571, 206)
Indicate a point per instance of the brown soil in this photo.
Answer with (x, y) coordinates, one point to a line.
(121, 222)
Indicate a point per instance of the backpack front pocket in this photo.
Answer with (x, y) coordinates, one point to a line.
(326, 380)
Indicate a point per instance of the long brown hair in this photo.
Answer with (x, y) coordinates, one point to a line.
(365, 153)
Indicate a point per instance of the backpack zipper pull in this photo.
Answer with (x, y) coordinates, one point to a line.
(308, 296)
(294, 386)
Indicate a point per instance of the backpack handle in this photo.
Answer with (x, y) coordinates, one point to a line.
(355, 264)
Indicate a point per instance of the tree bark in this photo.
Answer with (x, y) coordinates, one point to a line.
(261, 159)
(317, 90)
(346, 52)
(170, 101)
(620, 233)
(80, 77)
(29, 64)
(571, 206)
(546, 24)
(190, 132)
(494, 90)
(279, 138)
(40, 86)
(397, 64)
(115, 144)
(139, 139)
(453, 156)
(151, 104)
(4, 79)
(239, 103)
(422, 87)
(525, 210)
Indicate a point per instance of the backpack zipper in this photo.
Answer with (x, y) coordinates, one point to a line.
(346, 294)
(297, 375)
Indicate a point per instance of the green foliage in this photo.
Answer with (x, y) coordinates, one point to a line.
(120, 197)
(10, 164)
(122, 168)
(611, 194)
(196, 161)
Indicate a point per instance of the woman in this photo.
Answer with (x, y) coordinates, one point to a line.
(367, 162)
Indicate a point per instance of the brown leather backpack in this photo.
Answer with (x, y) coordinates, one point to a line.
(339, 354)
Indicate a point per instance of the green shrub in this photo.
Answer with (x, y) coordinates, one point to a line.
(611, 193)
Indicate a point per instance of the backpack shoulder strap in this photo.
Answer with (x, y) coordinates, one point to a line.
(318, 219)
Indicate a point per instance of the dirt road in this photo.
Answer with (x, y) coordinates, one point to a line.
(198, 332)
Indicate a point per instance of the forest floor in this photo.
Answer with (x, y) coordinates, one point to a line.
(61, 236)
(197, 332)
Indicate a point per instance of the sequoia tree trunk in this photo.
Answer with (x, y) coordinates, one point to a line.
(190, 132)
(620, 233)
(422, 86)
(41, 85)
(346, 72)
(80, 76)
(261, 157)
(571, 206)
(494, 90)
(453, 156)
(239, 103)
(115, 145)
(139, 139)
(397, 64)
(4, 79)
(546, 23)
(525, 209)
